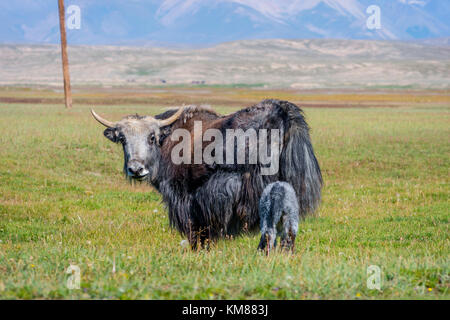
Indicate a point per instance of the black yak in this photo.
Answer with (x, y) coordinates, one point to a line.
(211, 199)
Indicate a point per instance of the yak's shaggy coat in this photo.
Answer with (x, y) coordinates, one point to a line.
(211, 201)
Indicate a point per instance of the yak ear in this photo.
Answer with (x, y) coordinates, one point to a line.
(111, 134)
(163, 134)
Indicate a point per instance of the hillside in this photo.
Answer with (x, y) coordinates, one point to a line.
(269, 63)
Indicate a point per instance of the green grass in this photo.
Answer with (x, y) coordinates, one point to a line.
(63, 200)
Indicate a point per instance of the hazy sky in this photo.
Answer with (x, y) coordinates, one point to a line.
(199, 22)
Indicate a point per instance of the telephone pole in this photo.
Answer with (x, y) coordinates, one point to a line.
(65, 59)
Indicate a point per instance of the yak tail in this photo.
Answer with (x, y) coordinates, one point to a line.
(299, 165)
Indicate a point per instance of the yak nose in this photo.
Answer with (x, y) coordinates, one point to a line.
(136, 168)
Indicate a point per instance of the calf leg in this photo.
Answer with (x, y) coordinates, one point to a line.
(288, 233)
(267, 241)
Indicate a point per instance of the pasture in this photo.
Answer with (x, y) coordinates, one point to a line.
(64, 200)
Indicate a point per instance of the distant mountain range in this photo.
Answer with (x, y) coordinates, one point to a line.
(207, 22)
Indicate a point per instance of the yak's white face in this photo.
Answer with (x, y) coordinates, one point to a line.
(139, 139)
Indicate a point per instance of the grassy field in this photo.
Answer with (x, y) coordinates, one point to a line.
(64, 200)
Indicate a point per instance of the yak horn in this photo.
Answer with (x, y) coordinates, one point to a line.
(104, 122)
(171, 119)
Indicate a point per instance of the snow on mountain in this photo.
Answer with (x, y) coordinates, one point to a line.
(205, 22)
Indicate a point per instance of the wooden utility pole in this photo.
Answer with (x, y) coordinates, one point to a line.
(65, 59)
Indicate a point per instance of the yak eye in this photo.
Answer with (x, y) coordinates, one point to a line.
(121, 138)
(151, 138)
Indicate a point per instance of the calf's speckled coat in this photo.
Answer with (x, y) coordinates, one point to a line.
(278, 213)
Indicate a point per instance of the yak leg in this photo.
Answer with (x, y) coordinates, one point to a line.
(214, 208)
(199, 238)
